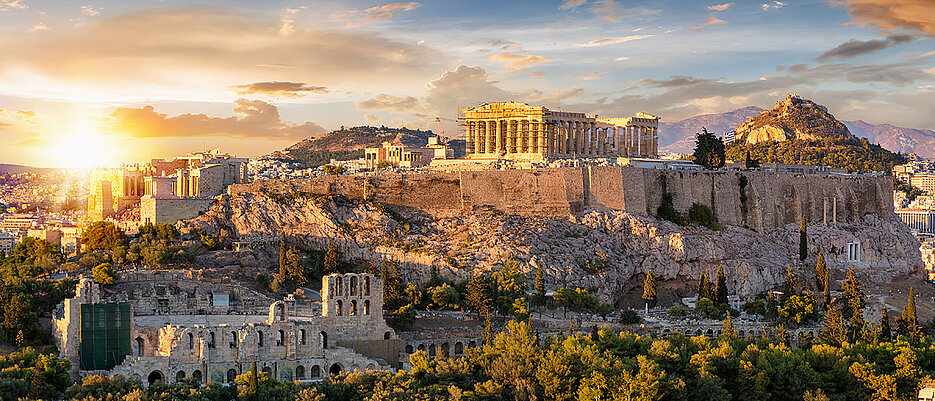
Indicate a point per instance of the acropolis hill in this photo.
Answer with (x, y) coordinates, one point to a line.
(571, 219)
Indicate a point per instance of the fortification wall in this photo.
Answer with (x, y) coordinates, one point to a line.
(759, 200)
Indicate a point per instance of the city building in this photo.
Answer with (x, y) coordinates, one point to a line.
(924, 181)
(162, 331)
(8, 242)
(163, 190)
(519, 131)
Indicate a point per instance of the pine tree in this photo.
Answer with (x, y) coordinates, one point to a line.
(886, 333)
(720, 287)
(478, 295)
(704, 286)
(854, 306)
(728, 329)
(649, 289)
(540, 288)
(392, 284)
(833, 330)
(803, 241)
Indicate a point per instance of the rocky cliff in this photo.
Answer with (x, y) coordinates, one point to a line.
(605, 250)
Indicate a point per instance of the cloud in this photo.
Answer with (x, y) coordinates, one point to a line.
(674, 81)
(623, 58)
(711, 20)
(516, 62)
(608, 10)
(611, 41)
(276, 88)
(774, 5)
(854, 48)
(401, 104)
(372, 119)
(720, 7)
(254, 119)
(572, 4)
(90, 11)
(181, 54)
(7, 5)
(591, 76)
(39, 28)
(384, 12)
(889, 15)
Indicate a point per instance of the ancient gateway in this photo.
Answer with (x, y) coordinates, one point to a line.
(167, 330)
(519, 131)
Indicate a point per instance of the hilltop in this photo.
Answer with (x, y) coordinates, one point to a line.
(349, 143)
(799, 131)
(679, 136)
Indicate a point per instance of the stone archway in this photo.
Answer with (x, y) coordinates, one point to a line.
(155, 376)
(180, 375)
(138, 347)
(231, 375)
(196, 376)
(315, 371)
(335, 370)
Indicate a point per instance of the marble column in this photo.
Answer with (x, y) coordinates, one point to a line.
(469, 141)
(498, 144)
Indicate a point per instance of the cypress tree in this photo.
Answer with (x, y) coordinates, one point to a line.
(330, 264)
(254, 381)
(728, 329)
(282, 254)
(704, 286)
(488, 329)
(789, 286)
(823, 278)
(540, 288)
(720, 287)
(649, 289)
(909, 313)
(803, 241)
(886, 333)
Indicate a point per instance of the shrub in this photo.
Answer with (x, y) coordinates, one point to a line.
(678, 311)
(667, 210)
(103, 274)
(629, 317)
(332, 169)
(404, 317)
(703, 216)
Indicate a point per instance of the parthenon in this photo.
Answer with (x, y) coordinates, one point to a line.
(518, 130)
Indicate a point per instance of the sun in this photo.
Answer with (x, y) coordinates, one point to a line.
(83, 147)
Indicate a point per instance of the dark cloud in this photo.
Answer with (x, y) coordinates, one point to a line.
(277, 88)
(889, 15)
(255, 119)
(854, 48)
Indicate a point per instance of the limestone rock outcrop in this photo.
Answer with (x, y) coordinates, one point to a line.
(604, 250)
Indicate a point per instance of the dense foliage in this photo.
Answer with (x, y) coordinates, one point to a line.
(709, 150)
(349, 143)
(852, 154)
(604, 365)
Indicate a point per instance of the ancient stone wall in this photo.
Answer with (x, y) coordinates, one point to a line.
(170, 211)
(759, 200)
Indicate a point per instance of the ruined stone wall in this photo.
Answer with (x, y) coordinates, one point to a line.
(170, 211)
(759, 200)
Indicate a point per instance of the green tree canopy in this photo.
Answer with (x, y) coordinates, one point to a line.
(709, 150)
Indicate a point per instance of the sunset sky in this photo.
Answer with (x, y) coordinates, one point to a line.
(101, 82)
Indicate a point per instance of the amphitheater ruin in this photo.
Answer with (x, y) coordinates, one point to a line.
(161, 330)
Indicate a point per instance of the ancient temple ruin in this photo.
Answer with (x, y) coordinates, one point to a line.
(519, 131)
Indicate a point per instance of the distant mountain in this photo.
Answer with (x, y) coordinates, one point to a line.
(349, 143)
(799, 131)
(896, 139)
(16, 169)
(679, 136)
